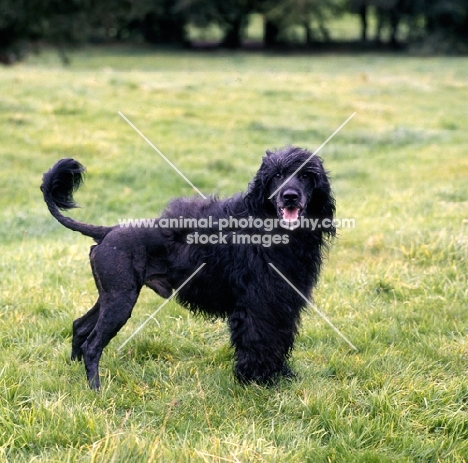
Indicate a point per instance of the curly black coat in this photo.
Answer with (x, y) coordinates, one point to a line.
(237, 281)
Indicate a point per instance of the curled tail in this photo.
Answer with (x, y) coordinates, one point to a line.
(58, 186)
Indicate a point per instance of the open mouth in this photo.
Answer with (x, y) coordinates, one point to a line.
(290, 217)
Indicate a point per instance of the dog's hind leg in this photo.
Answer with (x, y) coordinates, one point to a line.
(118, 265)
(114, 313)
(82, 327)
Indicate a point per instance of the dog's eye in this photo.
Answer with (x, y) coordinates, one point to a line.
(277, 175)
(304, 175)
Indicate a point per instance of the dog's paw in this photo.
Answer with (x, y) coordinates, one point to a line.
(264, 378)
(288, 373)
(76, 355)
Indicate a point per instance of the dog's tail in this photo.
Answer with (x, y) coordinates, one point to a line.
(58, 186)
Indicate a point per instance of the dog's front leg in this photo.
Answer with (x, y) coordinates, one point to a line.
(261, 347)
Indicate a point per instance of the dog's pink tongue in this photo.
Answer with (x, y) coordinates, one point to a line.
(291, 214)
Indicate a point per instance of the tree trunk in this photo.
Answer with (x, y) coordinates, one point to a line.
(233, 34)
(363, 16)
(271, 33)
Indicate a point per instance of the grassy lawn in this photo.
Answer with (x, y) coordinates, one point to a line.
(395, 285)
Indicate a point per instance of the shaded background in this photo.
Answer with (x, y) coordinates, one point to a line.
(427, 26)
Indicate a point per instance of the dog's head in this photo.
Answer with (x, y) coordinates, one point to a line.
(291, 183)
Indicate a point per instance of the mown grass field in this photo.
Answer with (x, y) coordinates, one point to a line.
(395, 285)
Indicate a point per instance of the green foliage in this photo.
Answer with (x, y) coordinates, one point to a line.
(297, 22)
(396, 284)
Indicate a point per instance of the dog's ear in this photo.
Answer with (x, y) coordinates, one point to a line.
(322, 205)
(256, 199)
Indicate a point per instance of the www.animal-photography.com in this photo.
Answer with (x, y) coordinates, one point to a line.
(234, 232)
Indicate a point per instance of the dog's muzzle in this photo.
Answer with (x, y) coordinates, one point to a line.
(290, 207)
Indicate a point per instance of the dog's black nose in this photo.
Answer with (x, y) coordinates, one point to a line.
(290, 196)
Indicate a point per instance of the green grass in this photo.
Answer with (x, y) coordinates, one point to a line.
(396, 284)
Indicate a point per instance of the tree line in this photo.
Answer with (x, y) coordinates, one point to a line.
(65, 22)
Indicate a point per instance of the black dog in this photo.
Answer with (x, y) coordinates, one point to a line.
(237, 238)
